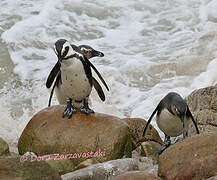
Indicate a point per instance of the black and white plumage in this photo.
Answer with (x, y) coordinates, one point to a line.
(173, 118)
(89, 52)
(72, 77)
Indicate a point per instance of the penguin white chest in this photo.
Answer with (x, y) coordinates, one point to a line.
(75, 83)
(171, 124)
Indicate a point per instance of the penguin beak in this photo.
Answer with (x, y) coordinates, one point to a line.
(98, 53)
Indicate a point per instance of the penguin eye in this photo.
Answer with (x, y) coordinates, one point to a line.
(175, 110)
(65, 51)
(62, 52)
(84, 50)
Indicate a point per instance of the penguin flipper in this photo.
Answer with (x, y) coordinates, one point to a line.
(52, 75)
(149, 120)
(51, 94)
(188, 113)
(97, 72)
(55, 84)
(98, 89)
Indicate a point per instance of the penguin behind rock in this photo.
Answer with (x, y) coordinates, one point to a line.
(173, 118)
(89, 52)
(74, 79)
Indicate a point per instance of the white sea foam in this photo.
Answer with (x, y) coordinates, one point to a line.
(151, 48)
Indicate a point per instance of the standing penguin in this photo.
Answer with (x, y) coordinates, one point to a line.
(87, 51)
(74, 79)
(173, 118)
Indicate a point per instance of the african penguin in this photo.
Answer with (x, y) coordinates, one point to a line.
(73, 78)
(173, 118)
(89, 52)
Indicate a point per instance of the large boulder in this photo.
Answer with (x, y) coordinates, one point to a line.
(203, 105)
(193, 158)
(12, 168)
(137, 126)
(137, 175)
(4, 148)
(83, 136)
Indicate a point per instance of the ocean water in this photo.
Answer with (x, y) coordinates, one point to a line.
(150, 47)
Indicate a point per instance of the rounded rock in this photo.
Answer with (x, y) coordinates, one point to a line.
(100, 136)
(195, 158)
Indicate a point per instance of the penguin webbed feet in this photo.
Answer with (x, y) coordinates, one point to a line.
(85, 108)
(69, 110)
(166, 144)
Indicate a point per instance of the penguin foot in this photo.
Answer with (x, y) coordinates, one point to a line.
(69, 111)
(86, 110)
(166, 144)
(163, 148)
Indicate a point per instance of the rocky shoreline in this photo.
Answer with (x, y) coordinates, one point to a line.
(100, 146)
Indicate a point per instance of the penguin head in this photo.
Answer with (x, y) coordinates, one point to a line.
(89, 52)
(63, 49)
(179, 108)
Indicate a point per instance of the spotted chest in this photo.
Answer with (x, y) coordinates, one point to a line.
(75, 83)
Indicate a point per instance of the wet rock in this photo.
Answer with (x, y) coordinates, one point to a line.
(98, 136)
(57, 162)
(193, 158)
(4, 148)
(203, 105)
(137, 175)
(137, 126)
(14, 154)
(150, 149)
(86, 163)
(103, 171)
(147, 165)
(11, 168)
(137, 152)
(62, 166)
